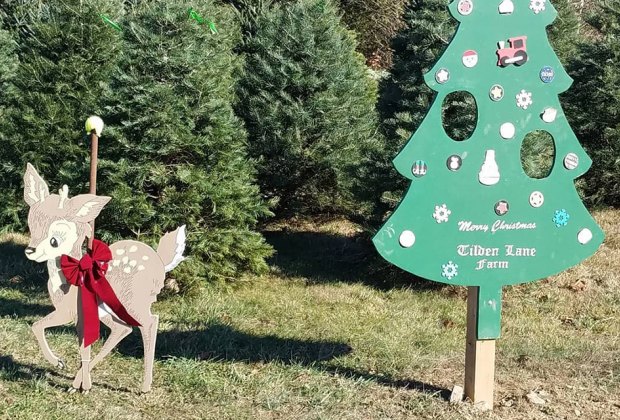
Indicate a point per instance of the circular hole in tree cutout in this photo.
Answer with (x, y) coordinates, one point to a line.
(459, 115)
(538, 154)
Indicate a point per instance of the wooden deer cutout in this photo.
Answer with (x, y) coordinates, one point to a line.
(59, 225)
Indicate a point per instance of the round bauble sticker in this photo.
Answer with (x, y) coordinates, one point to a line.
(407, 239)
(571, 161)
(584, 236)
(507, 131)
(537, 199)
(470, 58)
(465, 7)
(547, 74)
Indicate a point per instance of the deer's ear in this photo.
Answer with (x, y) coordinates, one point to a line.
(86, 207)
(35, 188)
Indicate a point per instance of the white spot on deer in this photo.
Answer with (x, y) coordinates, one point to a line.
(141, 268)
(116, 263)
(145, 258)
(133, 248)
(120, 251)
(133, 263)
(125, 260)
(127, 270)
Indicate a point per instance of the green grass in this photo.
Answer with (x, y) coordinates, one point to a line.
(325, 337)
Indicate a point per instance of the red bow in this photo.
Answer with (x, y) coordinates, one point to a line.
(89, 274)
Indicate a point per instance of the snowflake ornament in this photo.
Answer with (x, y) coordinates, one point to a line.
(449, 270)
(538, 6)
(442, 213)
(524, 99)
(561, 218)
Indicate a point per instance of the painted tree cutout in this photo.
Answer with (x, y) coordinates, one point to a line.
(472, 217)
(59, 226)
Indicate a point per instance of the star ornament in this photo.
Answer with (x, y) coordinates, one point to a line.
(442, 76)
(497, 93)
(501, 208)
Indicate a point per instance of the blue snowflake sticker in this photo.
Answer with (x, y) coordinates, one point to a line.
(561, 218)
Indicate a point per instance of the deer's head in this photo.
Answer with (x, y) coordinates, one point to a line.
(58, 224)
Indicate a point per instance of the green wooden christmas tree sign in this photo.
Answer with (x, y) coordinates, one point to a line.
(472, 217)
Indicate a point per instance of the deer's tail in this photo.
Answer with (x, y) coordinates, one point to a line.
(171, 247)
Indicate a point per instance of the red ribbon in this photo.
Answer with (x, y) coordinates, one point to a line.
(89, 274)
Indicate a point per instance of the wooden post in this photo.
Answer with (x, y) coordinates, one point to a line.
(94, 151)
(479, 358)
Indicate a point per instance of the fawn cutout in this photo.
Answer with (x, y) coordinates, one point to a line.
(60, 225)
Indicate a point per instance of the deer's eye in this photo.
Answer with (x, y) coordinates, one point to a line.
(54, 242)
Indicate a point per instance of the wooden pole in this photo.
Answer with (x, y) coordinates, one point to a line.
(479, 358)
(94, 151)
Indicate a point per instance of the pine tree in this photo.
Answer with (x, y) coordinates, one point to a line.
(308, 104)
(66, 57)
(8, 66)
(595, 103)
(176, 153)
(376, 22)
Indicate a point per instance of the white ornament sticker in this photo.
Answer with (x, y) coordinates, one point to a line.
(537, 199)
(442, 76)
(524, 99)
(549, 115)
(538, 6)
(465, 7)
(496, 93)
(584, 236)
(506, 7)
(507, 130)
(442, 214)
(407, 239)
(470, 58)
(454, 162)
(571, 161)
(489, 172)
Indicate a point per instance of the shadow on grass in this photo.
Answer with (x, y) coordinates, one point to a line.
(221, 342)
(11, 370)
(388, 381)
(331, 258)
(11, 307)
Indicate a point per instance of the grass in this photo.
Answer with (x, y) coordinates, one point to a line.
(323, 337)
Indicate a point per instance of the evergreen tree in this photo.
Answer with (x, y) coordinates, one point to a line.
(594, 103)
(8, 65)
(376, 23)
(177, 153)
(66, 57)
(308, 103)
